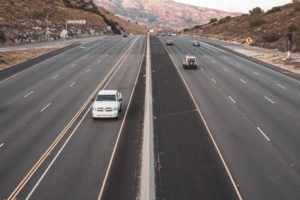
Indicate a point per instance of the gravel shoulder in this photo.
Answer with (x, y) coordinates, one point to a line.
(274, 57)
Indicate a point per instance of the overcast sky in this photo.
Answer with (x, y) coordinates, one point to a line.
(235, 5)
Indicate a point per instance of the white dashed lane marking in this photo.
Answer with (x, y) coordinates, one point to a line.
(263, 134)
(242, 81)
(72, 84)
(55, 76)
(49, 104)
(281, 86)
(232, 99)
(28, 94)
(270, 100)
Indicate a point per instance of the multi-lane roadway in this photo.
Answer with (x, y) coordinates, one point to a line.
(228, 130)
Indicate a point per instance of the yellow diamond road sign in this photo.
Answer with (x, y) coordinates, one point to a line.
(248, 40)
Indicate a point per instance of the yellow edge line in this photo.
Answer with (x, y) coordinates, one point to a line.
(25, 180)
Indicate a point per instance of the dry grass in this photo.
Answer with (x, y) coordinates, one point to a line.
(11, 58)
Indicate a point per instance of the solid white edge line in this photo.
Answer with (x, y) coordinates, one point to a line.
(231, 99)
(56, 156)
(213, 80)
(69, 137)
(45, 107)
(28, 94)
(147, 185)
(119, 134)
(1, 145)
(263, 134)
(209, 132)
(269, 99)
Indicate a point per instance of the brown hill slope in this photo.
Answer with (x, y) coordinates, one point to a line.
(267, 29)
(162, 13)
(27, 20)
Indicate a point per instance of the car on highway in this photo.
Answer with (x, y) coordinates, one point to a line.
(189, 62)
(107, 104)
(169, 42)
(196, 43)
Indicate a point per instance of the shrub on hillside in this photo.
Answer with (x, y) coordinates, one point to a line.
(292, 28)
(273, 10)
(213, 20)
(270, 37)
(2, 36)
(297, 42)
(256, 11)
(257, 22)
(225, 19)
(297, 8)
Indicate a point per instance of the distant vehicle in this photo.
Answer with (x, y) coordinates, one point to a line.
(170, 42)
(169, 34)
(189, 62)
(125, 34)
(107, 104)
(196, 43)
(173, 34)
(163, 34)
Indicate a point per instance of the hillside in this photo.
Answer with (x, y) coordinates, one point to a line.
(162, 14)
(27, 20)
(269, 29)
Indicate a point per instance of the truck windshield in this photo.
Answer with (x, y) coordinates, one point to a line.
(106, 98)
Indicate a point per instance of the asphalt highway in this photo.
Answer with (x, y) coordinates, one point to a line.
(50, 146)
(228, 130)
(253, 113)
(187, 163)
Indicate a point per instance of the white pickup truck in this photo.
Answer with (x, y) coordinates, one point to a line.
(107, 104)
(189, 62)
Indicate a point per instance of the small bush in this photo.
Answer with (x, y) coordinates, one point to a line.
(270, 37)
(213, 20)
(273, 10)
(292, 28)
(197, 26)
(225, 19)
(297, 8)
(2, 36)
(256, 11)
(297, 42)
(257, 22)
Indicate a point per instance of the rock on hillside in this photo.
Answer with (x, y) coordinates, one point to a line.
(270, 29)
(162, 13)
(27, 20)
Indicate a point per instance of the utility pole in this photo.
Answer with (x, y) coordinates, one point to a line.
(47, 29)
